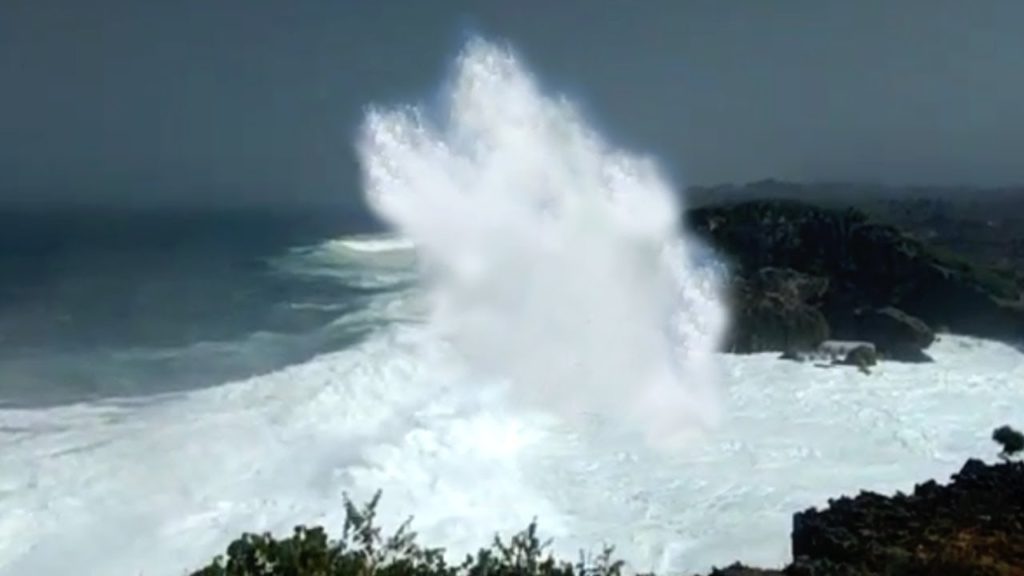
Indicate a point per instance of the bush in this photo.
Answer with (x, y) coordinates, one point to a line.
(1011, 440)
(363, 551)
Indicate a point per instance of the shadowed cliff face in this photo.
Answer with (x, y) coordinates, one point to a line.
(883, 285)
(974, 525)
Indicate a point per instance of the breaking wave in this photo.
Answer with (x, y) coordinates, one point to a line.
(553, 259)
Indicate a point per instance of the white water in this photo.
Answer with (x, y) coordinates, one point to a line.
(553, 259)
(158, 488)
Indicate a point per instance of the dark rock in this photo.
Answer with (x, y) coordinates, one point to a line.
(741, 570)
(975, 525)
(792, 284)
(864, 265)
(848, 352)
(772, 312)
(793, 354)
(897, 335)
(862, 357)
(985, 225)
(972, 468)
(779, 234)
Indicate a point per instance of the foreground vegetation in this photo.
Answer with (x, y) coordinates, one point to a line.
(362, 550)
(971, 527)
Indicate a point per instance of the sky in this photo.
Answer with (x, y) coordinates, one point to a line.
(257, 102)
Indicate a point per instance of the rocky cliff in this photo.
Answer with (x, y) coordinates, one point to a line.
(972, 526)
(804, 273)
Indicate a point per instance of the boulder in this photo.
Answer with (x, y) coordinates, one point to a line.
(863, 357)
(836, 351)
(896, 334)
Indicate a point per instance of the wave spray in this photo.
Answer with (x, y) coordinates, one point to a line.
(554, 261)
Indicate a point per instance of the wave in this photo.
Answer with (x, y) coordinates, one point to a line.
(179, 473)
(372, 244)
(553, 259)
(364, 262)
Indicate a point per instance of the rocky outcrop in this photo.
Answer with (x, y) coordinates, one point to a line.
(897, 334)
(863, 357)
(836, 351)
(984, 224)
(876, 281)
(776, 309)
(975, 525)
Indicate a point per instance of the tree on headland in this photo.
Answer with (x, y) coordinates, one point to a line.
(1011, 440)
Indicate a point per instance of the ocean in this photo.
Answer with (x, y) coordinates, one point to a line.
(94, 302)
(531, 336)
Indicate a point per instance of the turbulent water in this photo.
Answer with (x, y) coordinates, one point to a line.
(508, 355)
(554, 259)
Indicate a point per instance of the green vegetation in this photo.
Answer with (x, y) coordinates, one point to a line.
(363, 551)
(969, 527)
(1000, 282)
(1011, 440)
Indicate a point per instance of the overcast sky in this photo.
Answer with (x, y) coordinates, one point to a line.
(249, 101)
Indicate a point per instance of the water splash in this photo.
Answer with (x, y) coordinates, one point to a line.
(553, 259)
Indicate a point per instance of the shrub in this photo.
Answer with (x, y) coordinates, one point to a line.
(1011, 440)
(363, 551)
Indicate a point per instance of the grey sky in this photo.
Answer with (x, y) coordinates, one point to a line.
(228, 102)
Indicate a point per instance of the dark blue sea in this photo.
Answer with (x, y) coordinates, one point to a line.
(103, 303)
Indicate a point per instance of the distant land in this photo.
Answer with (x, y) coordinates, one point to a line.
(985, 224)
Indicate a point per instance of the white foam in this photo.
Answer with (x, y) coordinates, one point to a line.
(554, 259)
(373, 244)
(370, 261)
(158, 489)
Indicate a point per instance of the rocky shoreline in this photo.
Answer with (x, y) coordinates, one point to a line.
(803, 274)
(972, 526)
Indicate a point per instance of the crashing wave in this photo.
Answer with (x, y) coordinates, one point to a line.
(554, 260)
